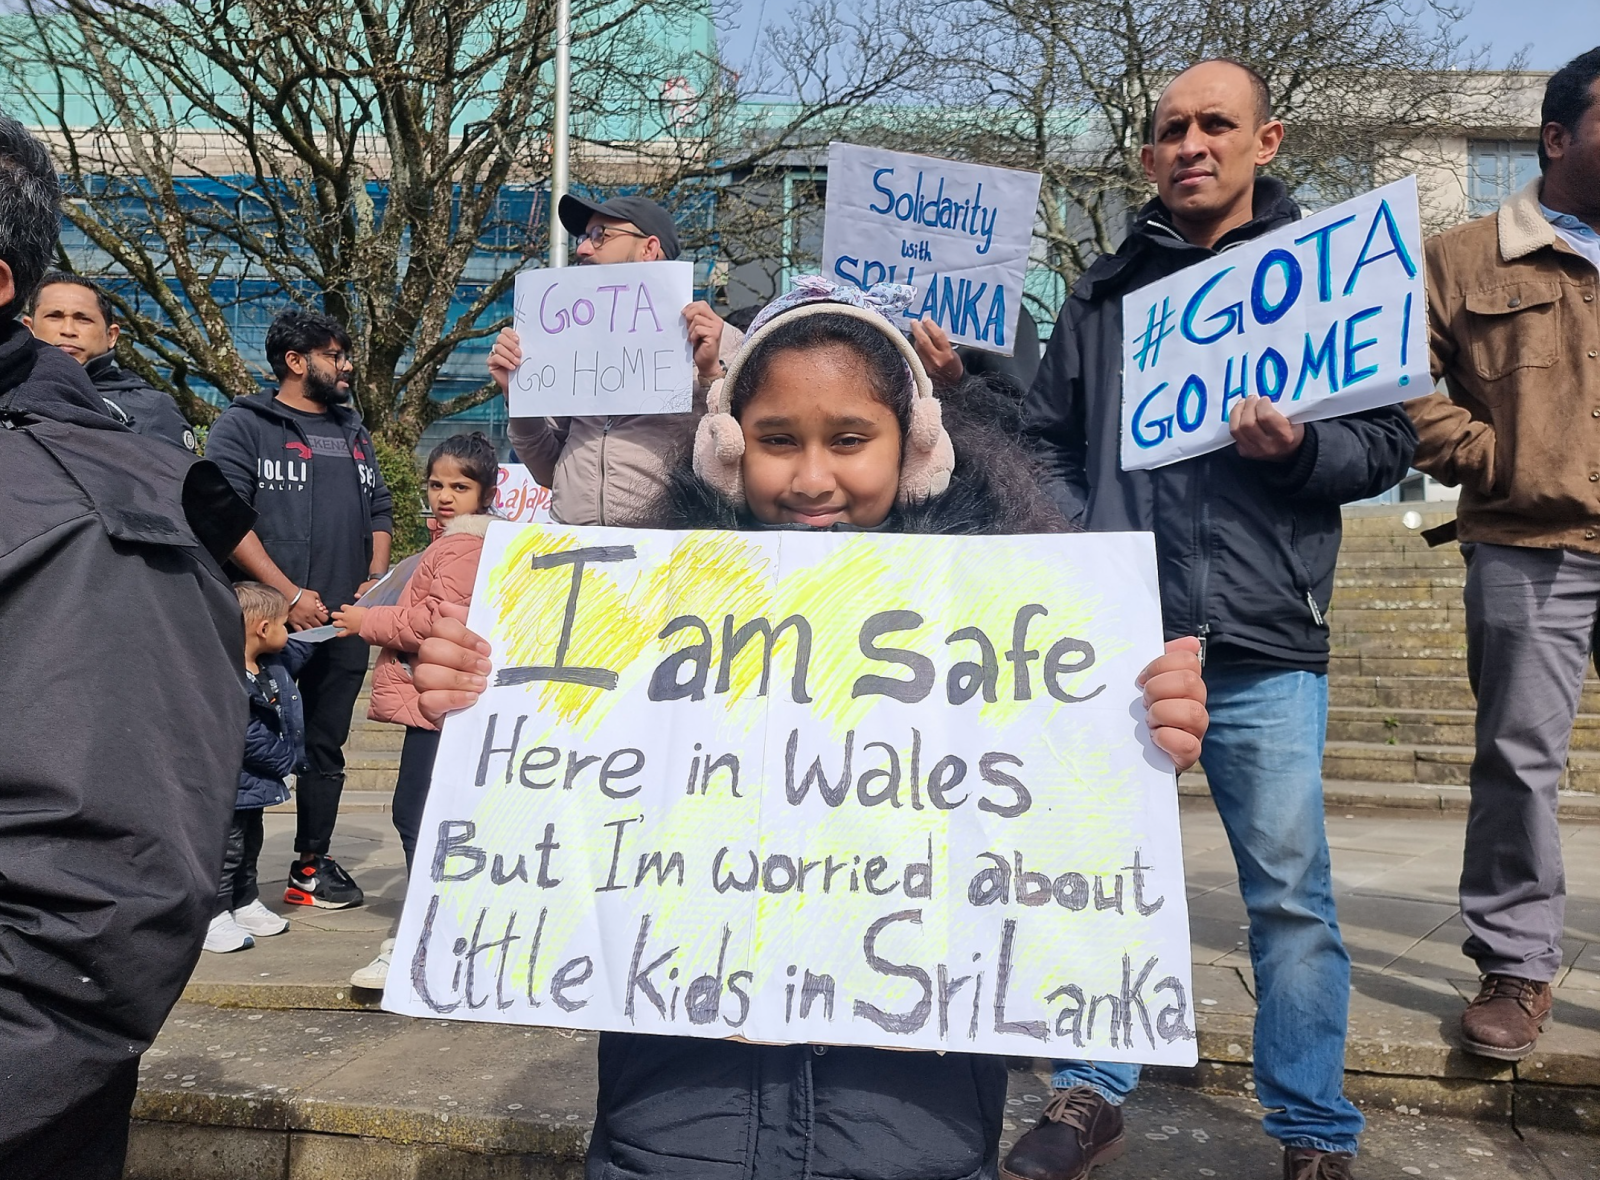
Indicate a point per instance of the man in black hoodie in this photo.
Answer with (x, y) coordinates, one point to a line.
(73, 314)
(1246, 540)
(124, 715)
(300, 455)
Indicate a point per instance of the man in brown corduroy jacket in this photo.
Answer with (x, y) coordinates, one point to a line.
(1514, 323)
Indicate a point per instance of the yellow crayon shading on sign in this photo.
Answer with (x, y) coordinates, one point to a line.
(809, 787)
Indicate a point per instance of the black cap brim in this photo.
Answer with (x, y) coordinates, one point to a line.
(575, 213)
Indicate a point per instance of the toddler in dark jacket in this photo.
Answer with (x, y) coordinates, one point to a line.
(274, 747)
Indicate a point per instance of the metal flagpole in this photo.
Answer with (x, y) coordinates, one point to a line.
(558, 144)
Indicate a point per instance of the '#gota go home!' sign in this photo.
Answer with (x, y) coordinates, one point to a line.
(858, 789)
(1323, 317)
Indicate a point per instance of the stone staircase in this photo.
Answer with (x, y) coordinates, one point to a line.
(1400, 717)
(1400, 720)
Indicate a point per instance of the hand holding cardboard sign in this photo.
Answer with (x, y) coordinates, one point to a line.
(452, 666)
(705, 337)
(1261, 432)
(1175, 701)
(504, 357)
(938, 355)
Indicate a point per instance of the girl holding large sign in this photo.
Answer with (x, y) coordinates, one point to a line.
(826, 419)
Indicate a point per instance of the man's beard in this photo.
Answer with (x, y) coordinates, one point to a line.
(324, 392)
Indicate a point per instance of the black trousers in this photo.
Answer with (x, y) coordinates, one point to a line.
(411, 789)
(329, 685)
(88, 1142)
(239, 857)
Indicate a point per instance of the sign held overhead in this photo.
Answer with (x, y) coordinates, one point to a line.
(1323, 317)
(959, 233)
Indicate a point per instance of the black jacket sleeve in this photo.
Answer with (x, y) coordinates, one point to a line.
(161, 420)
(231, 445)
(1350, 458)
(1053, 417)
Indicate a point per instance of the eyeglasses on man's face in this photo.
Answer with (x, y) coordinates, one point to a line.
(596, 235)
(339, 357)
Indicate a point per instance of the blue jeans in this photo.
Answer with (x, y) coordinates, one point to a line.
(1263, 758)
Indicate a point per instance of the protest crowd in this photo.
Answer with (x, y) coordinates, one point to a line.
(183, 639)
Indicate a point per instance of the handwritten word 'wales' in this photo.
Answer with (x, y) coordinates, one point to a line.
(1345, 353)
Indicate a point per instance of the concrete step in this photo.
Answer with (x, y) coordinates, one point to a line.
(1435, 765)
(1431, 727)
(1345, 794)
(1423, 692)
(1376, 662)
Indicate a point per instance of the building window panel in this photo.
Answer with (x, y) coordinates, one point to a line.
(1496, 168)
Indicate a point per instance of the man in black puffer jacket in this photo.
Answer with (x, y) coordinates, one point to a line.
(1246, 540)
(121, 647)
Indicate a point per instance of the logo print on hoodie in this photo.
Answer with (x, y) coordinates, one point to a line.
(280, 475)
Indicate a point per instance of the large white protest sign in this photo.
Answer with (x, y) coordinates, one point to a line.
(520, 497)
(958, 233)
(808, 787)
(1324, 317)
(603, 340)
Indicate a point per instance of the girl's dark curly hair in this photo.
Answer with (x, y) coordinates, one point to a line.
(476, 457)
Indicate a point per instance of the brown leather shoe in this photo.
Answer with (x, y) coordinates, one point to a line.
(1307, 1163)
(1079, 1130)
(1506, 1017)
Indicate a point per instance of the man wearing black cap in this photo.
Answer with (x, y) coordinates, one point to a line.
(609, 470)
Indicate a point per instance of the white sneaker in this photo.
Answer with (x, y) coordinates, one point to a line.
(258, 920)
(224, 935)
(376, 973)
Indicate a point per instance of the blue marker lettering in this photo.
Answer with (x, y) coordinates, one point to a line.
(1324, 260)
(1396, 247)
(1264, 312)
(1312, 364)
(887, 192)
(1351, 347)
(1193, 393)
(1274, 366)
(1231, 392)
(1231, 316)
(1163, 426)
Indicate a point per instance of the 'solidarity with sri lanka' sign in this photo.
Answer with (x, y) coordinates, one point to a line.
(959, 233)
(1323, 317)
(808, 788)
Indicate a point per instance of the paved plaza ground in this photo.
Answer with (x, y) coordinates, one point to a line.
(274, 1045)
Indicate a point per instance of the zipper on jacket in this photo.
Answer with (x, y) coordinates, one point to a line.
(600, 504)
(1315, 613)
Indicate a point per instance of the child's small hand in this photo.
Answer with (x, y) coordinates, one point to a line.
(1175, 701)
(348, 620)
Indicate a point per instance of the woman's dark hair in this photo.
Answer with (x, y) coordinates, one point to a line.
(303, 332)
(887, 374)
(476, 457)
(1566, 96)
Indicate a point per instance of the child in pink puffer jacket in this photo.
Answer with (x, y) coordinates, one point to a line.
(462, 472)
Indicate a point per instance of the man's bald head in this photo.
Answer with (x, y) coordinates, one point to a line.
(1260, 92)
(1211, 129)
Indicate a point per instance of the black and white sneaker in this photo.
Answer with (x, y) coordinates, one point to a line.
(322, 883)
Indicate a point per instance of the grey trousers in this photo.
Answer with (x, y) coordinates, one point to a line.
(1530, 629)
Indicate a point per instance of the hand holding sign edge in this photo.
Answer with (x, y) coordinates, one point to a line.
(452, 666)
